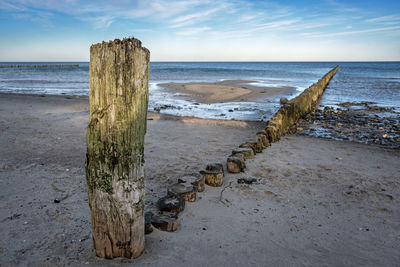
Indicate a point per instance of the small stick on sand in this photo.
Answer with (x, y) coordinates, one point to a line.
(222, 191)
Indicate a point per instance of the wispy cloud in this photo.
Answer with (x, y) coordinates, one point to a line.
(348, 33)
(101, 22)
(6, 5)
(157, 8)
(277, 24)
(388, 20)
(193, 18)
(194, 15)
(37, 16)
(102, 10)
(193, 31)
(343, 7)
(220, 22)
(246, 18)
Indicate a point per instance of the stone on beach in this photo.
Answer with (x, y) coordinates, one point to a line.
(283, 100)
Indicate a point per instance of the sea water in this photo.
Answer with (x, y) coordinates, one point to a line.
(354, 82)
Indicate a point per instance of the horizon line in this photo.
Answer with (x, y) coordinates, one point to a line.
(215, 61)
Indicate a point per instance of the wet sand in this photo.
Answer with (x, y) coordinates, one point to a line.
(226, 91)
(315, 202)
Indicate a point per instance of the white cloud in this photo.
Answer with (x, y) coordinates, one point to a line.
(193, 31)
(277, 24)
(193, 18)
(101, 22)
(6, 5)
(154, 9)
(246, 18)
(349, 33)
(389, 20)
(194, 15)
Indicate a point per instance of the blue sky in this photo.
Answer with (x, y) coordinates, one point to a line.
(202, 30)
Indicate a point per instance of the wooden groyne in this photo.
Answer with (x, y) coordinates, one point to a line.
(280, 123)
(40, 66)
(297, 107)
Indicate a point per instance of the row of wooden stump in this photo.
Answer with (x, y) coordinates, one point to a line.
(236, 162)
(184, 190)
(188, 186)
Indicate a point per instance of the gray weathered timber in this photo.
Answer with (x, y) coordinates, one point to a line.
(118, 95)
(297, 107)
(290, 112)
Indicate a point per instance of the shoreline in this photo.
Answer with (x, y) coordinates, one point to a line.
(151, 115)
(348, 123)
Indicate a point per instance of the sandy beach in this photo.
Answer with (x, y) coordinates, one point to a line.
(315, 202)
(226, 91)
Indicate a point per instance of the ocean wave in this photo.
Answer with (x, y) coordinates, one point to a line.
(43, 81)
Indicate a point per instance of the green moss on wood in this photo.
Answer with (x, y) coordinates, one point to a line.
(289, 114)
(118, 109)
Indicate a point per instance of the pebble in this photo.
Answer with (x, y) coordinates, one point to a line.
(353, 124)
(246, 180)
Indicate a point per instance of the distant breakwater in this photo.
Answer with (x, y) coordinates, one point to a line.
(39, 66)
(297, 107)
(279, 124)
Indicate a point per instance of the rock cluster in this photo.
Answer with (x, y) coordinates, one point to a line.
(358, 122)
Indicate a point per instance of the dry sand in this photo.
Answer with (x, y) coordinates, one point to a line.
(226, 91)
(316, 202)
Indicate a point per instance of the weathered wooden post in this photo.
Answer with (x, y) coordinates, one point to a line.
(118, 94)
